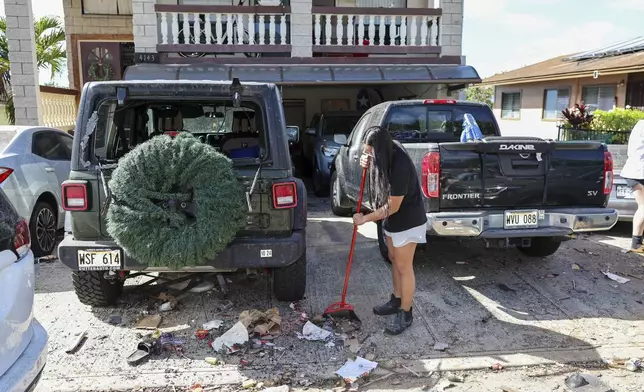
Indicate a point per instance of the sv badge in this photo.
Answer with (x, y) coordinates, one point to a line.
(592, 193)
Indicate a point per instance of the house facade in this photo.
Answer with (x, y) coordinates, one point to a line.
(528, 101)
(326, 54)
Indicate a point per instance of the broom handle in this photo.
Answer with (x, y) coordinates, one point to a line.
(353, 240)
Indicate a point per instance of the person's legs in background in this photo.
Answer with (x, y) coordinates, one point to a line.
(403, 263)
(638, 219)
(393, 305)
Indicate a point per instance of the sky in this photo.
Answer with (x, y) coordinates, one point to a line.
(501, 35)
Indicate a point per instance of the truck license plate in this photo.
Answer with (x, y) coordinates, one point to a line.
(624, 192)
(99, 260)
(521, 219)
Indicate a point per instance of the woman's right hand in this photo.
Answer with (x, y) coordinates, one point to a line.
(364, 160)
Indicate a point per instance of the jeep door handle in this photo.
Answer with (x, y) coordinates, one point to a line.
(49, 169)
(355, 158)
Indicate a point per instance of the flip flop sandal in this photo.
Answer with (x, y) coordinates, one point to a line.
(143, 351)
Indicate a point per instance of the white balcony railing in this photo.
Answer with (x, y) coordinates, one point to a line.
(223, 29)
(376, 30)
(58, 107)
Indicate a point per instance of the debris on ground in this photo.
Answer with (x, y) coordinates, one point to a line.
(46, 259)
(115, 319)
(213, 324)
(167, 306)
(202, 334)
(497, 366)
(586, 382)
(263, 323)
(281, 388)
(353, 344)
(211, 360)
(576, 267)
(440, 346)
(149, 322)
(453, 377)
(248, 384)
(312, 332)
(232, 339)
(616, 278)
(76, 344)
(351, 371)
(633, 364)
(443, 385)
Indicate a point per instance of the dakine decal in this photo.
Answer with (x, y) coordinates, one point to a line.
(461, 196)
(516, 147)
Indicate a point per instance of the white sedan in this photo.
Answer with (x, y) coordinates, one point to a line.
(34, 161)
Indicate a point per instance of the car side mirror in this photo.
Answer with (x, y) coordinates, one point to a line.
(310, 131)
(340, 139)
(293, 133)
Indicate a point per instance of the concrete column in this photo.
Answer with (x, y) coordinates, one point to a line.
(452, 27)
(144, 21)
(22, 56)
(301, 28)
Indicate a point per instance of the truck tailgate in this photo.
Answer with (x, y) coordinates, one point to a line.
(516, 172)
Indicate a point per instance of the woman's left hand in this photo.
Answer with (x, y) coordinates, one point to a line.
(359, 219)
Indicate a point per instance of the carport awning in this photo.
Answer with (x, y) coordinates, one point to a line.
(309, 74)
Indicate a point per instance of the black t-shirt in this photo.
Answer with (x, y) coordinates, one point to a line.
(404, 182)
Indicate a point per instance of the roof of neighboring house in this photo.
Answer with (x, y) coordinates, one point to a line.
(623, 57)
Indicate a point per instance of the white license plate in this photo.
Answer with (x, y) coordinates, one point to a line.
(99, 259)
(521, 219)
(624, 192)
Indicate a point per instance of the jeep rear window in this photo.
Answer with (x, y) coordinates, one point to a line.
(431, 122)
(236, 132)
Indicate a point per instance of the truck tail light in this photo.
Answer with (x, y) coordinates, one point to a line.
(431, 174)
(5, 172)
(608, 172)
(75, 196)
(439, 102)
(284, 195)
(22, 238)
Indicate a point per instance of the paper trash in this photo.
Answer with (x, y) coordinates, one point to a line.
(311, 331)
(353, 370)
(213, 324)
(616, 278)
(235, 335)
(263, 323)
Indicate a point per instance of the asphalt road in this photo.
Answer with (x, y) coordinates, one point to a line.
(489, 306)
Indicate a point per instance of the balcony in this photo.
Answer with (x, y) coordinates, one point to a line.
(358, 32)
(197, 30)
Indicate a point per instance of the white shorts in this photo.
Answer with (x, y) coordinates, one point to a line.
(416, 234)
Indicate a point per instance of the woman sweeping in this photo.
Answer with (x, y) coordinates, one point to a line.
(395, 192)
(633, 172)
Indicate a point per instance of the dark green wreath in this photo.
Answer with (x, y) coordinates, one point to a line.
(175, 202)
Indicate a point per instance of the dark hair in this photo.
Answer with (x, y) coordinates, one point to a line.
(380, 168)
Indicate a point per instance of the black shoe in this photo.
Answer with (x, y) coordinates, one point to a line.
(388, 308)
(401, 321)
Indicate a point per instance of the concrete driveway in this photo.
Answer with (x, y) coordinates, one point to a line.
(489, 306)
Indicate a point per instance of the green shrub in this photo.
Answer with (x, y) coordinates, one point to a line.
(616, 119)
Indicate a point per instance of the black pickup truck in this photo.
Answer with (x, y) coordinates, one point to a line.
(509, 191)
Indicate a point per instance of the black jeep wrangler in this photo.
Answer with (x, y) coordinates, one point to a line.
(114, 117)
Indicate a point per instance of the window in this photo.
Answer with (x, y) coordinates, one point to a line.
(554, 102)
(424, 122)
(338, 124)
(49, 146)
(510, 105)
(107, 7)
(598, 97)
(67, 142)
(360, 127)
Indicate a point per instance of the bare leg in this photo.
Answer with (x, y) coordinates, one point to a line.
(395, 275)
(404, 264)
(638, 218)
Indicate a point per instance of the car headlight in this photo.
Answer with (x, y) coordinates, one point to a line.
(330, 151)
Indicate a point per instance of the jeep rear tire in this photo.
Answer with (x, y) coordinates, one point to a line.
(93, 289)
(337, 197)
(541, 247)
(289, 283)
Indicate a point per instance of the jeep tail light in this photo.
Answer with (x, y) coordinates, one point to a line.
(22, 239)
(439, 101)
(75, 197)
(608, 172)
(431, 173)
(5, 172)
(285, 195)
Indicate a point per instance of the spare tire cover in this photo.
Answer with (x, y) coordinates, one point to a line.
(175, 202)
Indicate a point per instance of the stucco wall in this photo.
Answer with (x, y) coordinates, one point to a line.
(531, 122)
(79, 25)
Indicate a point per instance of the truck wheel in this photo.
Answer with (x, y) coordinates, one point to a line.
(93, 289)
(382, 242)
(289, 283)
(337, 196)
(541, 247)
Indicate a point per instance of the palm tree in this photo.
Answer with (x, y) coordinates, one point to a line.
(50, 54)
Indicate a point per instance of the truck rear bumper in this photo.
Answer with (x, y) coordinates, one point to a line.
(491, 224)
(241, 253)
